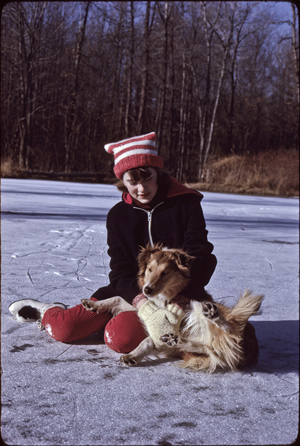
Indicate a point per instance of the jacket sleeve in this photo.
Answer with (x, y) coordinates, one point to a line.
(197, 245)
(123, 274)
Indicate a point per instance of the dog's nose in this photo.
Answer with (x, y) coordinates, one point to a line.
(147, 289)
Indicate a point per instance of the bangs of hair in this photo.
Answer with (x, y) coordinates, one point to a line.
(140, 173)
(143, 173)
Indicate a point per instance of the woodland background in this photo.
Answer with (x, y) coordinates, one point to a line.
(217, 81)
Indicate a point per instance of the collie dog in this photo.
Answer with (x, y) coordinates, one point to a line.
(210, 335)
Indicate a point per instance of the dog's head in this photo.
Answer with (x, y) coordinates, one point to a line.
(163, 271)
(218, 336)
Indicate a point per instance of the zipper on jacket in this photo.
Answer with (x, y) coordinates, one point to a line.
(149, 220)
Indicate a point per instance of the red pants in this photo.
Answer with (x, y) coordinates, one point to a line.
(123, 333)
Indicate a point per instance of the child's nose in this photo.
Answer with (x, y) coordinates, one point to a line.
(142, 187)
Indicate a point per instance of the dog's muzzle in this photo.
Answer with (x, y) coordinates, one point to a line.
(148, 290)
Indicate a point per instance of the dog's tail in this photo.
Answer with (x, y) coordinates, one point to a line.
(248, 305)
(209, 362)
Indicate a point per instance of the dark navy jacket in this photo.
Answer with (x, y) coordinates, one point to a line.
(176, 220)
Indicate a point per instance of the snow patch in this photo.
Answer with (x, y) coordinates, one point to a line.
(108, 338)
(48, 329)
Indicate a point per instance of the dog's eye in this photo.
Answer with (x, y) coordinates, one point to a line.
(165, 271)
(150, 270)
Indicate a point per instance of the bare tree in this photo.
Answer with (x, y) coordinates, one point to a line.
(181, 139)
(114, 49)
(72, 123)
(165, 15)
(206, 76)
(129, 69)
(206, 103)
(294, 38)
(148, 26)
(28, 22)
(295, 47)
(238, 20)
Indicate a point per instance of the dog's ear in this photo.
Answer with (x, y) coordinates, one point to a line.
(183, 260)
(143, 258)
(145, 253)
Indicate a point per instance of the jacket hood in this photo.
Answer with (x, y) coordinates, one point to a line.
(176, 188)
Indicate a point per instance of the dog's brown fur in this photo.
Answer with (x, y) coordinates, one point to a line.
(211, 335)
(163, 271)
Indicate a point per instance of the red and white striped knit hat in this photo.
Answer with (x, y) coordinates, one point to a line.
(138, 151)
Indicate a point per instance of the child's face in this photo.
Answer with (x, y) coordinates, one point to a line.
(144, 190)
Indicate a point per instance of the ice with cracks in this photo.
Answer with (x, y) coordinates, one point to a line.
(53, 248)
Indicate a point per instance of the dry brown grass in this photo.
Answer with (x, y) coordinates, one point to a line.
(268, 173)
(273, 173)
(8, 168)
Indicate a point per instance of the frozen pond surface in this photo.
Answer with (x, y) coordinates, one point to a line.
(54, 249)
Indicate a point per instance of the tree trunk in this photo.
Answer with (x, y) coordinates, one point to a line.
(26, 52)
(295, 47)
(130, 69)
(182, 122)
(71, 126)
(212, 123)
(145, 69)
(161, 112)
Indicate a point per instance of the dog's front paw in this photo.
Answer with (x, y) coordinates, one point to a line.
(170, 339)
(89, 305)
(128, 360)
(210, 310)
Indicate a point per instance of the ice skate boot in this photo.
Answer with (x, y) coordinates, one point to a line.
(31, 310)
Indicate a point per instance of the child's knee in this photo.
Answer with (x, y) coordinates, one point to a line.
(124, 332)
(73, 324)
(66, 336)
(60, 330)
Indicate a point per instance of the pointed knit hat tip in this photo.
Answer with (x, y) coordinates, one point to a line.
(137, 151)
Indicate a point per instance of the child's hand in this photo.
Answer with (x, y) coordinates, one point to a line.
(160, 322)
